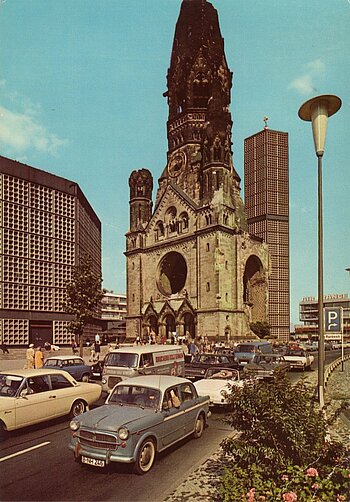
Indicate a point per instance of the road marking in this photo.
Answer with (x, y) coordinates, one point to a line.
(24, 451)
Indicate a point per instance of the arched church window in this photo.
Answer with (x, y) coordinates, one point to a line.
(201, 90)
(184, 221)
(208, 246)
(208, 287)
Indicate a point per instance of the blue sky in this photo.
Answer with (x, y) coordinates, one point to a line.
(81, 84)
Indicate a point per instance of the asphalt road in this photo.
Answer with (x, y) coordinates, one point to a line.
(36, 465)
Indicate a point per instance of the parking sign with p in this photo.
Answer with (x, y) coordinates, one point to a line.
(333, 319)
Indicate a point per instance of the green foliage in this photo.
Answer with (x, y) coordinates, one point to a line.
(282, 438)
(260, 329)
(295, 483)
(82, 295)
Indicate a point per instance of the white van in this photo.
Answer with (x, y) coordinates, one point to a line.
(127, 362)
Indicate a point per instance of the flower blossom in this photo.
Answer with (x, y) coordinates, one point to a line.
(290, 497)
(251, 495)
(312, 472)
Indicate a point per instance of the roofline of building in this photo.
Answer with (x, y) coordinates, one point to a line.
(40, 177)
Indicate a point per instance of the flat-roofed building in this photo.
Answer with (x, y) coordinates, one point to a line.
(266, 197)
(308, 315)
(46, 225)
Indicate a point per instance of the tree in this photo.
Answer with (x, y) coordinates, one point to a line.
(282, 451)
(83, 294)
(260, 328)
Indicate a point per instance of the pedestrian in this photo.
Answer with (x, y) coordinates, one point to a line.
(74, 346)
(92, 353)
(38, 358)
(30, 357)
(97, 350)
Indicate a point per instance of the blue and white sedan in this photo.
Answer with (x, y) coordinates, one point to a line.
(142, 416)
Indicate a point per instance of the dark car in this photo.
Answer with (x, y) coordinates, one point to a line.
(265, 366)
(74, 365)
(201, 362)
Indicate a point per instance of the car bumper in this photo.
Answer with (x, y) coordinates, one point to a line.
(107, 456)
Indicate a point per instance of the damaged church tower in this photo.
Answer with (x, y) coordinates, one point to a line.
(192, 267)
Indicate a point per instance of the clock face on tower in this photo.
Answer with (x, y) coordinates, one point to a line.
(176, 163)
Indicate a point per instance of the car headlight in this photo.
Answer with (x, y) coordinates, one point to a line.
(74, 425)
(123, 433)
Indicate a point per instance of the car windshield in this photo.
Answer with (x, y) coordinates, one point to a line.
(9, 384)
(294, 353)
(133, 395)
(121, 359)
(205, 359)
(246, 348)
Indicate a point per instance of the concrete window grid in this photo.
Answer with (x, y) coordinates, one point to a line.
(15, 216)
(64, 228)
(15, 190)
(64, 204)
(40, 298)
(41, 223)
(41, 197)
(15, 331)
(15, 243)
(40, 247)
(15, 269)
(64, 252)
(62, 273)
(58, 298)
(15, 296)
(41, 273)
(60, 335)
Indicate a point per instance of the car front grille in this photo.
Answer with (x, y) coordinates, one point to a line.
(98, 440)
(112, 381)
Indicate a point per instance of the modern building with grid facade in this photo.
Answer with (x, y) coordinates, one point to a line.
(266, 195)
(46, 225)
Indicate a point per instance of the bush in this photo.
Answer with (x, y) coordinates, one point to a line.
(282, 436)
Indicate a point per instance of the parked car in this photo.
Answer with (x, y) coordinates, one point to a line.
(30, 396)
(216, 384)
(299, 359)
(97, 370)
(142, 415)
(265, 366)
(202, 362)
(75, 366)
(245, 351)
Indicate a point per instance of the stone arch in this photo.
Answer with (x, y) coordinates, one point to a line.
(255, 289)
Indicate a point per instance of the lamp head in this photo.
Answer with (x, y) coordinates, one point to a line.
(317, 110)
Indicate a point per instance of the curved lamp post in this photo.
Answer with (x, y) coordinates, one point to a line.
(317, 110)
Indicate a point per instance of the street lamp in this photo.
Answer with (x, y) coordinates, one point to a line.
(317, 110)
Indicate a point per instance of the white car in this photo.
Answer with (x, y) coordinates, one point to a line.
(30, 396)
(217, 383)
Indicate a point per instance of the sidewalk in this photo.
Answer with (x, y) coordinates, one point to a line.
(17, 357)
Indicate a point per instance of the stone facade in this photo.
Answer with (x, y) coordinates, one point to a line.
(192, 266)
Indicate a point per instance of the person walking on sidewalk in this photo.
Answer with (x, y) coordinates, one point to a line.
(30, 356)
(38, 358)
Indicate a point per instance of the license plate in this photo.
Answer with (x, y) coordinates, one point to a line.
(93, 461)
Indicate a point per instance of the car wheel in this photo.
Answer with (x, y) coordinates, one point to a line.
(199, 427)
(145, 457)
(78, 407)
(3, 432)
(85, 378)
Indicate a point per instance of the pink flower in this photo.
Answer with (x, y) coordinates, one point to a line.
(251, 495)
(312, 472)
(285, 477)
(290, 497)
(315, 486)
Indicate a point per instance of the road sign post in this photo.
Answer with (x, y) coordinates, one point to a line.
(334, 326)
